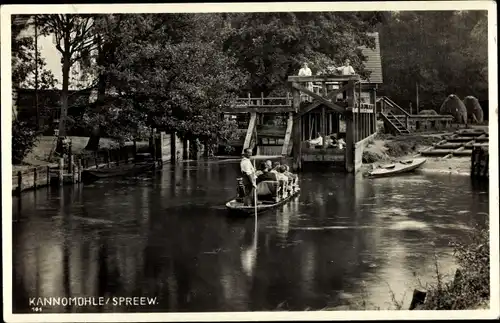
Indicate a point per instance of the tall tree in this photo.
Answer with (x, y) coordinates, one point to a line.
(25, 63)
(168, 74)
(271, 46)
(73, 36)
(441, 52)
(107, 32)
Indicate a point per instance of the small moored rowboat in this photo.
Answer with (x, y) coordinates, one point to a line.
(89, 175)
(403, 166)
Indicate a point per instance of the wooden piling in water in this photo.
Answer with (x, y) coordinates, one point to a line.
(417, 299)
(61, 171)
(71, 161)
(79, 170)
(135, 150)
(73, 174)
(480, 163)
(19, 182)
(35, 177)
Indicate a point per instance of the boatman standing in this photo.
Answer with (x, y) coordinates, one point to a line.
(249, 178)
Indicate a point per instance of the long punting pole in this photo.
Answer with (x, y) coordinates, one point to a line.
(255, 189)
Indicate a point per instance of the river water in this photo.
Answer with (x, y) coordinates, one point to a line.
(344, 243)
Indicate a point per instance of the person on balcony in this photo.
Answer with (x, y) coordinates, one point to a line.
(346, 69)
(306, 71)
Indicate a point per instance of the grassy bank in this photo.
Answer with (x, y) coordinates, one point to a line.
(470, 288)
(42, 153)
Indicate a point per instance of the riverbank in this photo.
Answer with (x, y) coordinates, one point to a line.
(387, 149)
(41, 153)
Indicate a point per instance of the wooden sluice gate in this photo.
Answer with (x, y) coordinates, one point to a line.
(337, 109)
(339, 112)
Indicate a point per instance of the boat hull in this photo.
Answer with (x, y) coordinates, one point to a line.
(399, 168)
(89, 175)
(238, 208)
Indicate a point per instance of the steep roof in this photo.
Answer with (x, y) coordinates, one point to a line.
(374, 61)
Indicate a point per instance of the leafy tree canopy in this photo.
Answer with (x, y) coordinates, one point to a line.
(272, 46)
(445, 52)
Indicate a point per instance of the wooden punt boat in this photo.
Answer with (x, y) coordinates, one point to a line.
(403, 166)
(237, 207)
(89, 175)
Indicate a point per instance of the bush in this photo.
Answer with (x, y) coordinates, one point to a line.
(24, 138)
(371, 157)
(398, 148)
(471, 288)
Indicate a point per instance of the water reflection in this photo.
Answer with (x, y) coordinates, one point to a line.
(167, 235)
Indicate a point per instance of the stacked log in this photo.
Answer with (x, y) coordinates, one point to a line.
(455, 107)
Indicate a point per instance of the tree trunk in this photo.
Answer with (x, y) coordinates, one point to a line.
(64, 97)
(95, 136)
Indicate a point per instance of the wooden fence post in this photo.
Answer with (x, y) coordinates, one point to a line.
(135, 149)
(48, 175)
(61, 171)
(19, 182)
(35, 177)
(79, 170)
(117, 156)
(70, 157)
(73, 173)
(71, 164)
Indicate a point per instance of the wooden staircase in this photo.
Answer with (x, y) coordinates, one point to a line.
(396, 124)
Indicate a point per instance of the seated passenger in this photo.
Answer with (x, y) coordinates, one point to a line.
(275, 167)
(288, 173)
(267, 184)
(280, 174)
(269, 164)
(294, 178)
(265, 175)
(261, 169)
